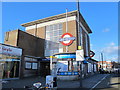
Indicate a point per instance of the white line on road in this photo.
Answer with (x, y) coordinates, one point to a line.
(98, 82)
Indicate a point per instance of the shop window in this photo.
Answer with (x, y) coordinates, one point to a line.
(31, 65)
(10, 65)
(108, 64)
(75, 66)
(34, 65)
(28, 65)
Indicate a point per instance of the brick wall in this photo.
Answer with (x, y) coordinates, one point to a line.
(11, 38)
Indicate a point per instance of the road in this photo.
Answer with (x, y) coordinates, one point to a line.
(109, 81)
(98, 81)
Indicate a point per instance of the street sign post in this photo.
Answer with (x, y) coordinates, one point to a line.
(80, 58)
(79, 55)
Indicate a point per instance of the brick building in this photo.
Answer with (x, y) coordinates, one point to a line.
(52, 28)
(105, 65)
(42, 39)
(32, 54)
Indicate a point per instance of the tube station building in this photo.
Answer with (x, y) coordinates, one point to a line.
(50, 45)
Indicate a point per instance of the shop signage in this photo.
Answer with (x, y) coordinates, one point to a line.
(7, 50)
(80, 55)
(9, 60)
(46, 59)
(62, 56)
(67, 39)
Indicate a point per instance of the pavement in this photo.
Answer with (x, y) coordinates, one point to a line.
(115, 82)
(109, 82)
(97, 81)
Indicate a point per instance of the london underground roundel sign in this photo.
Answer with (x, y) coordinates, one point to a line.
(67, 39)
(92, 53)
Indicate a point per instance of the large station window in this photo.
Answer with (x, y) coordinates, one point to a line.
(52, 44)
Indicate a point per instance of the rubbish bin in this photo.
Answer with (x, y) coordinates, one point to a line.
(51, 81)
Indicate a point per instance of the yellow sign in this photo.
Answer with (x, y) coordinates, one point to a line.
(53, 57)
(79, 47)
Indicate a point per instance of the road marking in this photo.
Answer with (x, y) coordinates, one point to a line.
(98, 82)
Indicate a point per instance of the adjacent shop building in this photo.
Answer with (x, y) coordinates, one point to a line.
(10, 61)
(32, 58)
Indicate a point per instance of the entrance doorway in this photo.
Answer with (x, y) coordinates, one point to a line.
(44, 68)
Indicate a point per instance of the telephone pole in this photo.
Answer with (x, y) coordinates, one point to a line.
(102, 59)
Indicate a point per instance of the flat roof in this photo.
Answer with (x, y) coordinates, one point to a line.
(51, 18)
(59, 16)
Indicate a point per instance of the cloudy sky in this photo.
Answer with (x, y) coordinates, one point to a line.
(102, 17)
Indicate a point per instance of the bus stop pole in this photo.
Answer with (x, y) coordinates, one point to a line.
(81, 84)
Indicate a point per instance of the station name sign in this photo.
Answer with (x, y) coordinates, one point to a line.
(66, 39)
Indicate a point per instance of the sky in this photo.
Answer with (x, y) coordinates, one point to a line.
(102, 18)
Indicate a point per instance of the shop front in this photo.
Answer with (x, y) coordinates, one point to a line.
(65, 66)
(10, 58)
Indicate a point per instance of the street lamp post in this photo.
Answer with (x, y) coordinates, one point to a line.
(102, 60)
(79, 40)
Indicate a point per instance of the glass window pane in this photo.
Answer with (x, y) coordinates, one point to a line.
(28, 65)
(53, 33)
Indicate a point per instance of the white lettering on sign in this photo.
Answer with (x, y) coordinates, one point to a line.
(67, 39)
(8, 50)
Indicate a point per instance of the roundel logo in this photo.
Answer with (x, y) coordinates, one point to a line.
(92, 53)
(67, 39)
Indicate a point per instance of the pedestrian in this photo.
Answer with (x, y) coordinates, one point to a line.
(100, 71)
